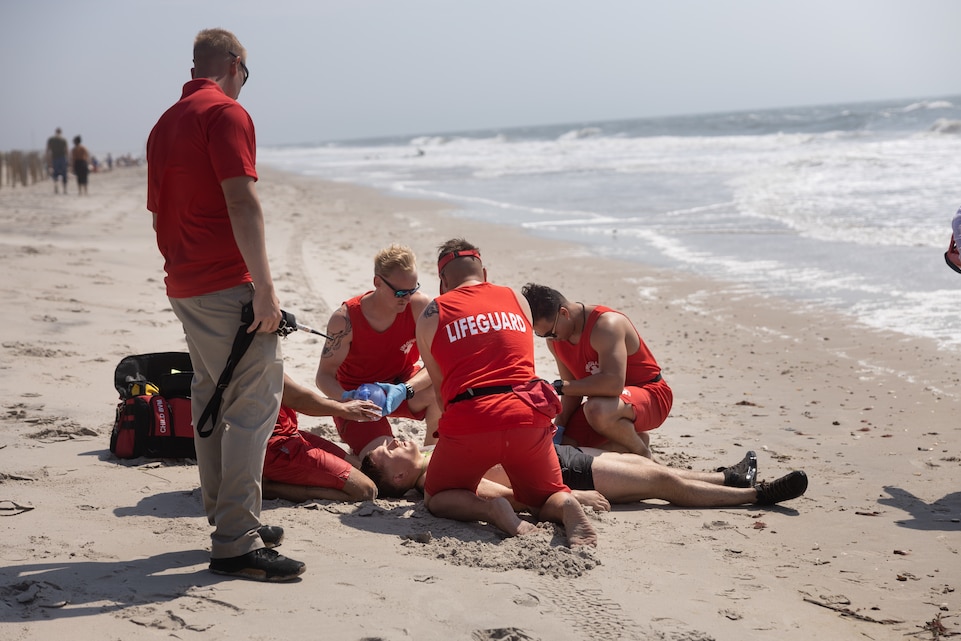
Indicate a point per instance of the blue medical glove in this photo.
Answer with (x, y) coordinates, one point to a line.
(559, 434)
(366, 392)
(396, 394)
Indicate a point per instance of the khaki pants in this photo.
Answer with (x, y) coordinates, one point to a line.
(231, 459)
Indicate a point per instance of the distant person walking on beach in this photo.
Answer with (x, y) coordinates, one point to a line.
(953, 257)
(210, 229)
(57, 159)
(476, 342)
(601, 357)
(80, 159)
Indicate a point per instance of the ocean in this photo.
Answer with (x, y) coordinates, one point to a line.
(844, 207)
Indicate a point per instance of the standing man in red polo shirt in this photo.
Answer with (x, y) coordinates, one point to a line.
(478, 346)
(210, 230)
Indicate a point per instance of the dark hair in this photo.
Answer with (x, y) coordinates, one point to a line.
(454, 245)
(384, 487)
(544, 301)
(76, 140)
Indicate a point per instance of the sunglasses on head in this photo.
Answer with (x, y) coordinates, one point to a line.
(400, 293)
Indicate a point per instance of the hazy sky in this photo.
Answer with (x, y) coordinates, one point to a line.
(339, 69)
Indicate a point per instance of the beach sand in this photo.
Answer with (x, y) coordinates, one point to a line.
(98, 548)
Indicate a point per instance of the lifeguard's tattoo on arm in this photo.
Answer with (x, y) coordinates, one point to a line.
(333, 343)
(431, 309)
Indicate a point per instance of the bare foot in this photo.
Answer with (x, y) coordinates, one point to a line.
(578, 527)
(593, 499)
(503, 516)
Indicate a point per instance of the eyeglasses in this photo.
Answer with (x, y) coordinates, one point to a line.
(400, 293)
(243, 67)
(552, 333)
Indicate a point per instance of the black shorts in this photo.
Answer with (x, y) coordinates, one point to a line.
(575, 467)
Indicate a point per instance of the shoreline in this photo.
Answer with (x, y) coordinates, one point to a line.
(871, 416)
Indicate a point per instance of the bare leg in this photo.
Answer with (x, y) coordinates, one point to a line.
(463, 505)
(626, 458)
(624, 481)
(614, 420)
(563, 508)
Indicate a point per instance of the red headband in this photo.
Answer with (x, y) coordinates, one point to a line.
(446, 258)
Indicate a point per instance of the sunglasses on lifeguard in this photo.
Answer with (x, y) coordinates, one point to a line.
(400, 293)
(243, 67)
(552, 333)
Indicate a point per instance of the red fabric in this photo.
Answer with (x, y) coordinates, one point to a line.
(483, 339)
(202, 140)
(651, 403)
(528, 457)
(302, 458)
(582, 359)
(379, 357)
(286, 422)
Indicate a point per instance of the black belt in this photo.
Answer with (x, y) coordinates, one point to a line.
(654, 380)
(473, 392)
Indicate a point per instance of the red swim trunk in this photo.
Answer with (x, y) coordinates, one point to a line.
(651, 403)
(306, 459)
(527, 455)
(357, 434)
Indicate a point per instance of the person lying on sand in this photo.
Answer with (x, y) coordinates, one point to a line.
(597, 478)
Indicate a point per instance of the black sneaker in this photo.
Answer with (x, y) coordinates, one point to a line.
(744, 474)
(260, 565)
(271, 535)
(790, 486)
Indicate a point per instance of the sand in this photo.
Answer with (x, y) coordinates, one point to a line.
(99, 548)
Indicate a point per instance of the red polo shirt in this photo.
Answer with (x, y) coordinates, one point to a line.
(202, 140)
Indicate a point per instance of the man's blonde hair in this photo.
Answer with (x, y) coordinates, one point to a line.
(399, 257)
(212, 49)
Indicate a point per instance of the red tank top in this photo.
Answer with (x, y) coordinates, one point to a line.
(483, 339)
(384, 357)
(583, 360)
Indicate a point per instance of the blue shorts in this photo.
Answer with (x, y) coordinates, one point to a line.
(60, 167)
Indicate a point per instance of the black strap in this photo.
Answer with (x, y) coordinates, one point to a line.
(654, 380)
(473, 392)
(242, 341)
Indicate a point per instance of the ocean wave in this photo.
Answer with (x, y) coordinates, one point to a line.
(577, 134)
(925, 104)
(946, 126)
(431, 141)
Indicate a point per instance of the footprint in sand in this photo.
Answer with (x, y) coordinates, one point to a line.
(502, 634)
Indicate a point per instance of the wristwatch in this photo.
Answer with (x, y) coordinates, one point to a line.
(558, 387)
(410, 391)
